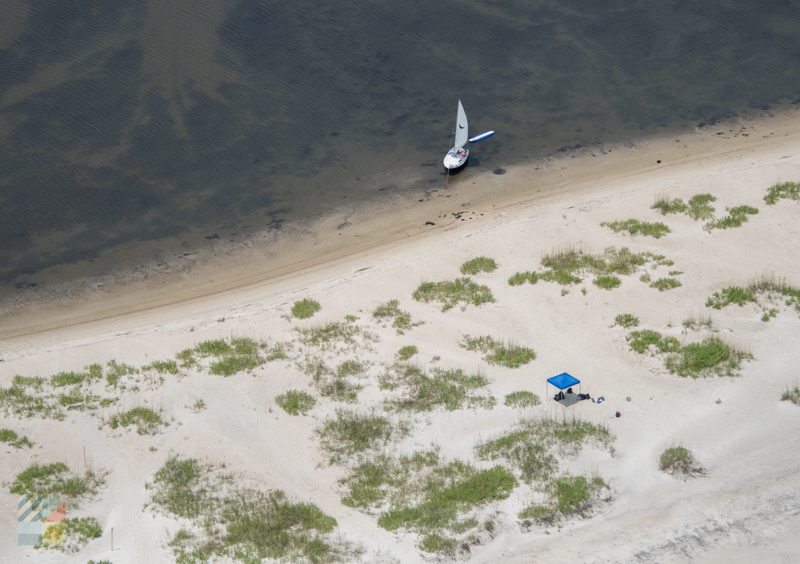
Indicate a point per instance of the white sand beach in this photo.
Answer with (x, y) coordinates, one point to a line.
(745, 507)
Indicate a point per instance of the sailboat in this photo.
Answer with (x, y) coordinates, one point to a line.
(459, 154)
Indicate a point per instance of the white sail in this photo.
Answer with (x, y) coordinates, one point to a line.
(462, 131)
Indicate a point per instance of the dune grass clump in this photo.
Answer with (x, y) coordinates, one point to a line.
(712, 356)
(17, 401)
(788, 190)
(401, 320)
(569, 495)
(498, 353)
(93, 372)
(450, 294)
(626, 320)
(700, 206)
(731, 295)
(693, 323)
(231, 364)
(563, 266)
(147, 421)
(305, 308)
(521, 400)
(635, 227)
(423, 493)
(479, 264)
(640, 341)
(116, 371)
(791, 394)
(230, 522)
(295, 402)
(216, 347)
(736, 216)
(163, 367)
(336, 334)
(55, 480)
(678, 461)
(419, 390)
(664, 284)
(607, 282)
(11, 438)
(353, 432)
(407, 352)
(334, 384)
(667, 205)
(519, 278)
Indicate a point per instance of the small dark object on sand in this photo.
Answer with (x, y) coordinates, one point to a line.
(619, 415)
(628, 398)
(429, 223)
(659, 162)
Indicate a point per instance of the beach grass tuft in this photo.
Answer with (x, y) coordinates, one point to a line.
(636, 227)
(401, 320)
(791, 394)
(305, 308)
(55, 480)
(451, 293)
(788, 190)
(419, 390)
(11, 438)
(519, 278)
(640, 341)
(607, 282)
(706, 358)
(352, 432)
(478, 264)
(700, 206)
(295, 402)
(667, 205)
(626, 320)
(407, 352)
(678, 461)
(521, 400)
(736, 216)
(147, 421)
(664, 284)
(499, 353)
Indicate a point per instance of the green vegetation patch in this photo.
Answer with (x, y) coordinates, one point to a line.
(163, 367)
(17, 401)
(788, 190)
(216, 347)
(667, 205)
(407, 352)
(232, 522)
(521, 400)
(11, 438)
(700, 206)
(640, 341)
(706, 358)
(423, 493)
(731, 295)
(352, 432)
(305, 308)
(450, 294)
(766, 287)
(635, 227)
(295, 402)
(664, 284)
(519, 278)
(792, 395)
(420, 390)
(498, 353)
(336, 334)
(401, 320)
(626, 320)
(479, 264)
(54, 480)
(736, 216)
(338, 384)
(678, 460)
(147, 421)
(116, 371)
(564, 266)
(607, 282)
(231, 364)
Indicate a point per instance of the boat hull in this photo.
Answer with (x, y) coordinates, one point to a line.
(456, 158)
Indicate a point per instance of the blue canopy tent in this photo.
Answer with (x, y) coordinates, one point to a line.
(563, 382)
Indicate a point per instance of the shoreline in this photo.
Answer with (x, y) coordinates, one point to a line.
(354, 233)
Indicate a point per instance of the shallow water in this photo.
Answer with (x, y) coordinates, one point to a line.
(138, 121)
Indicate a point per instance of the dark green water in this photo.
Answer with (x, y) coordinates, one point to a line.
(136, 121)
